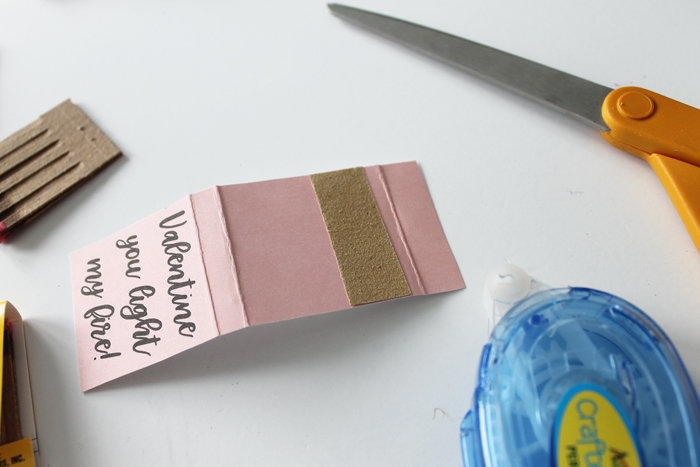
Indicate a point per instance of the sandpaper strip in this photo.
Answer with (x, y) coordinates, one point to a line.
(366, 258)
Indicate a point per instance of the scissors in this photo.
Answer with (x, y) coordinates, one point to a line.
(662, 131)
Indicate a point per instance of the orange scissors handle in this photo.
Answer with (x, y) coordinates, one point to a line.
(665, 133)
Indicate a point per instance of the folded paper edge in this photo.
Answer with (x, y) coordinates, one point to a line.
(217, 249)
(204, 263)
(425, 239)
(418, 288)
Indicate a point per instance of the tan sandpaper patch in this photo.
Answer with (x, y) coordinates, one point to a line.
(368, 264)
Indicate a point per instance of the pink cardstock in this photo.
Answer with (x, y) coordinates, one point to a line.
(236, 256)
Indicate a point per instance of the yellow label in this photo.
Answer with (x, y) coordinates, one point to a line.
(20, 453)
(591, 431)
(3, 305)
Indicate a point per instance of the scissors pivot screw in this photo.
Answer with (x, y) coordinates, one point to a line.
(635, 105)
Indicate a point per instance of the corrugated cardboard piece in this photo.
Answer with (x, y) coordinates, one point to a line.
(46, 160)
(236, 256)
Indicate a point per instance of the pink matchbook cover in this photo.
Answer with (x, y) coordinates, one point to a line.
(236, 256)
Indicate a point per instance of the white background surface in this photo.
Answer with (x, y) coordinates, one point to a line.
(199, 93)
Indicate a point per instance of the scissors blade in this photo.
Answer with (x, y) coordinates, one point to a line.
(574, 96)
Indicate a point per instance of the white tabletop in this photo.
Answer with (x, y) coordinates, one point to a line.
(206, 93)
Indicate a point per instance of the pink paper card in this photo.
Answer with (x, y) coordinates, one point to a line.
(235, 256)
